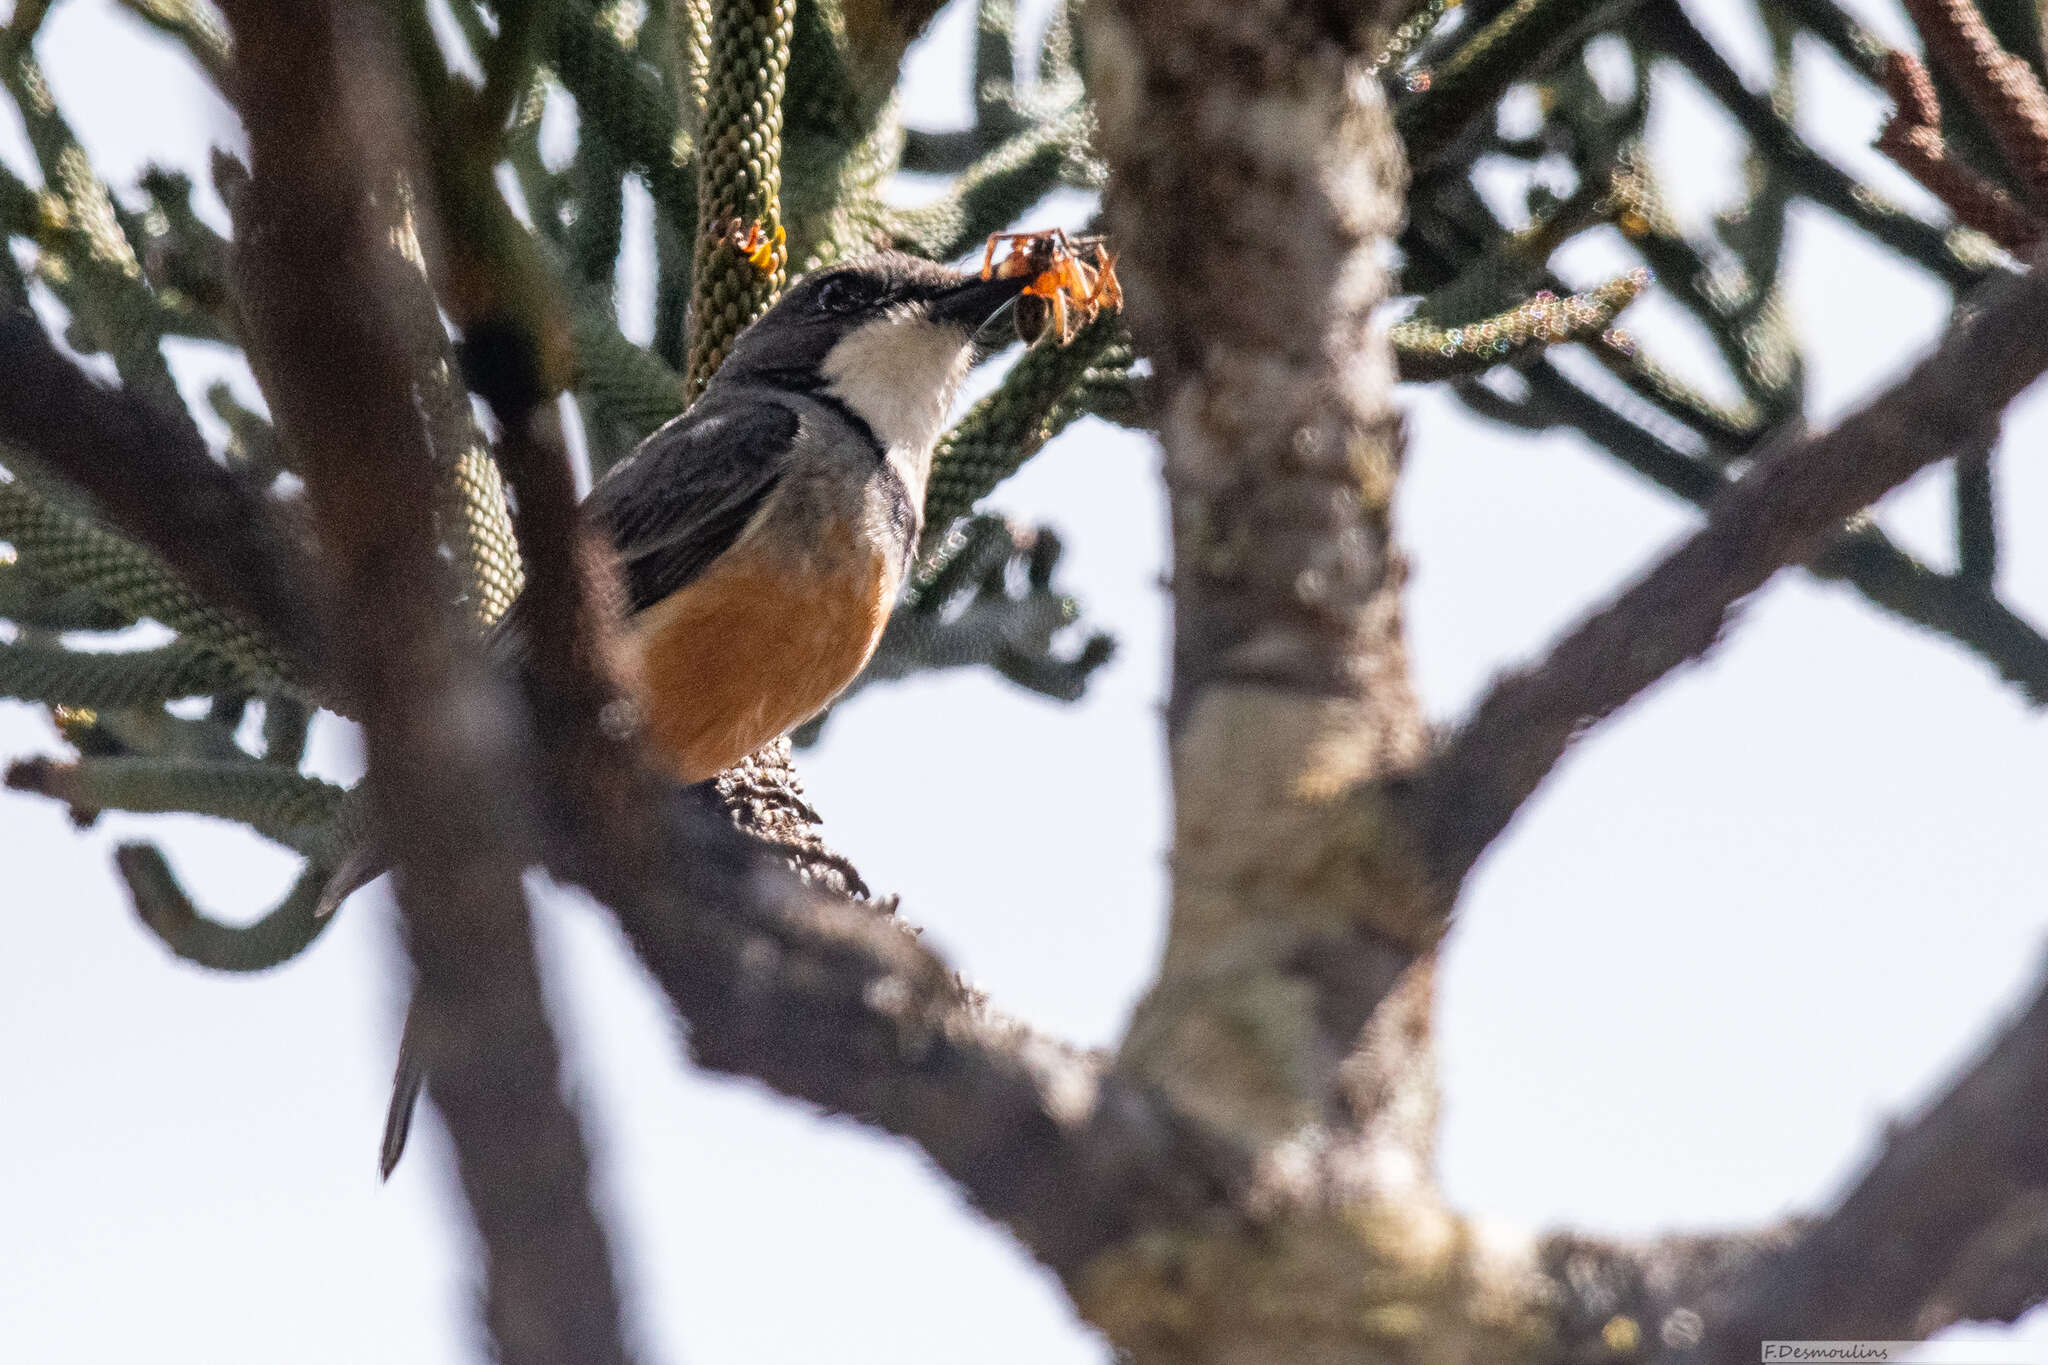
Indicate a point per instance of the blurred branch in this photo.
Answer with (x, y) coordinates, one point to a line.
(36, 603)
(1860, 50)
(286, 724)
(1860, 554)
(2004, 91)
(1976, 518)
(623, 384)
(1952, 604)
(59, 676)
(87, 248)
(278, 803)
(1734, 299)
(831, 1004)
(1912, 138)
(1409, 36)
(273, 938)
(995, 65)
(325, 100)
(1426, 350)
(1949, 1223)
(1525, 39)
(1665, 25)
(946, 152)
(988, 196)
(197, 28)
(509, 62)
(624, 97)
(184, 260)
(1453, 226)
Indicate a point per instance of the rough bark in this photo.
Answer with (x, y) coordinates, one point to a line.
(1274, 402)
(1291, 1012)
(1248, 1179)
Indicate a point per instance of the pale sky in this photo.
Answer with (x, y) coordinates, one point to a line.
(1748, 922)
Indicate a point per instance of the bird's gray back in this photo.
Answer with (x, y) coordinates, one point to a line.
(753, 460)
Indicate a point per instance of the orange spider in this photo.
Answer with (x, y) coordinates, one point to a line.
(1066, 292)
(757, 246)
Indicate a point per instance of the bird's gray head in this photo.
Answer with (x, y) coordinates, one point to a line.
(888, 335)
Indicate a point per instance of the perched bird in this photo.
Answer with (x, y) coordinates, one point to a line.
(763, 535)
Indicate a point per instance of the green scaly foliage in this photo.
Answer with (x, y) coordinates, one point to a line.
(782, 116)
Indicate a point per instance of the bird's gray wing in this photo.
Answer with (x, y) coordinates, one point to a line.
(682, 499)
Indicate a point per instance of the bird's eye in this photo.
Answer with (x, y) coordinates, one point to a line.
(841, 294)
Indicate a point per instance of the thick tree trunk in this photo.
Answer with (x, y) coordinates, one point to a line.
(1257, 184)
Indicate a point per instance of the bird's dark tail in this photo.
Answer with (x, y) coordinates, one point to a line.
(405, 1098)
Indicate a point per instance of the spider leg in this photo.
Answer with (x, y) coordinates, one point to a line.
(988, 254)
(1109, 291)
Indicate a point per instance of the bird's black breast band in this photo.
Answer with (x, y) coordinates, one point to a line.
(812, 385)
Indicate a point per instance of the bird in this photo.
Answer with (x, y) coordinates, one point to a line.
(764, 535)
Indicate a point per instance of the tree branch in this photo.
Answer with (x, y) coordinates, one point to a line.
(1949, 1223)
(1780, 513)
(832, 1004)
(1912, 138)
(1274, 397)
(276, 936)
(324, 102)
(1948, 604)
(1667, 27)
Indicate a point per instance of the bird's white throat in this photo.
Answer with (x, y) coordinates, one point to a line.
(898, 374)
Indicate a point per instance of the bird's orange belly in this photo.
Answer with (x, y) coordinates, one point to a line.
(751, 650)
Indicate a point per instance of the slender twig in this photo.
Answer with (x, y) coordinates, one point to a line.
(1860, 49)
(1912, 138)
(2003, 90)
(1817, 178)
(508, 65)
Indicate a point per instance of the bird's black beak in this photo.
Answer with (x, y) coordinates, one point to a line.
(973, 302)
